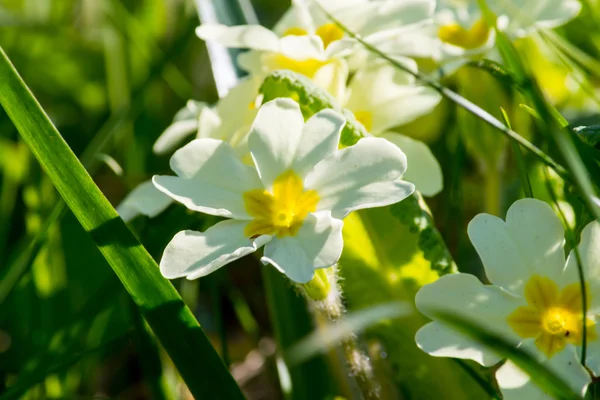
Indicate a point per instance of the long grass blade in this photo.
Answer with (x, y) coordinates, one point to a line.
(172, 322)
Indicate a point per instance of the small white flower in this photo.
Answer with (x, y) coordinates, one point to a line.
(218, 122)
(292, 202)
(304, 54)
(382, 97)
(534, 300)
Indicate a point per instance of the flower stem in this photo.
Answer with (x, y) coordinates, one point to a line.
(331, 308)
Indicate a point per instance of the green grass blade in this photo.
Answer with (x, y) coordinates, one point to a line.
(172, 322)
(27, 251)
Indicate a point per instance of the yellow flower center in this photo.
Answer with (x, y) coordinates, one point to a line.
(552, 316)
(469, 39)
(365, 118)
(282, 212)
(328, 33)
(306, 67)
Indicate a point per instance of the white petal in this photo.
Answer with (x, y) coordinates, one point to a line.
(195, 254)
(243, 36)
(251, 62)
(466, 297)
(320, 138)
(439, 340)
(274, 138)
(375, 16)
(237, 111)
(209, 123)
(340, 48)
(593, 349)
(302, 47)
(145, 199)
(211, 179)
(332, 78)
(360, 176)
(530, 242)
(318, 244)
(390, 95)
(516, 385)
(526, 15)
(423, 168)
(174, 135)
(308, 16)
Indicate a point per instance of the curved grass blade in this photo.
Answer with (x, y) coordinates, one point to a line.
(172, 322)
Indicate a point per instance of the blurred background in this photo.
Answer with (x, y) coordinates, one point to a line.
(111, 75)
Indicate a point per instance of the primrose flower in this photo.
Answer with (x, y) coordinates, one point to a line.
(534, 301)
(304, 54)
(459, 30)
(304, 41)
(382, 97)
(218, 122)
(293, 200)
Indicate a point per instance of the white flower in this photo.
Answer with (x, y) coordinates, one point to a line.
(305, 54)
(305, 42)
(228, 120)
(382, 97)
(459, 29)
(292, 202)
(534, 300)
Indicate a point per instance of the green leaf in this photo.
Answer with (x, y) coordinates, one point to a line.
(172, 322)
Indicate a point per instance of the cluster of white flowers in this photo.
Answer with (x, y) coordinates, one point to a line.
(283, 183)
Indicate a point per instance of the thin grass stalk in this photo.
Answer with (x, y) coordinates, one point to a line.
(172, 322)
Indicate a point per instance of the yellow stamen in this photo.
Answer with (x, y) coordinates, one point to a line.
(282, 212)
(329, 33)
(295, 31)
(552, 316)
(365, 118)
(469, 39)
(306, 67)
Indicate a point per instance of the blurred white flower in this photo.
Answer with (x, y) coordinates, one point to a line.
(534, 301)
(459, 30)
(292, 202)
(229, 120)
(382, 97)
(304, 40)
